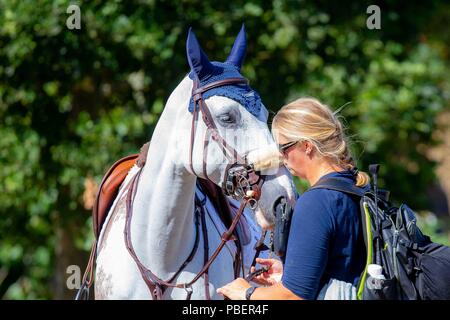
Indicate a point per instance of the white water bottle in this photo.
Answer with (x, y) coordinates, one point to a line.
(376, 277)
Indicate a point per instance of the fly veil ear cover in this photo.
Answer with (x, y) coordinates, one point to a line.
(237, 54)
(198, 60)
(206, 72)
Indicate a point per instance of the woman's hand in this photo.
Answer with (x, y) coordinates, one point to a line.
(272, 276)
(235, 290)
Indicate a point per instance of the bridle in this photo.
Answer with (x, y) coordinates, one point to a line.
(240, 177)
(241, 181)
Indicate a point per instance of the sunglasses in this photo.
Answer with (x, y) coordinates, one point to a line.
(285, 146)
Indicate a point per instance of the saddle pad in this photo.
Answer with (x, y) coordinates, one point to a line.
(247, 229)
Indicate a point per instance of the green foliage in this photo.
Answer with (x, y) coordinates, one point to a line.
(72, 102)
(434, 227)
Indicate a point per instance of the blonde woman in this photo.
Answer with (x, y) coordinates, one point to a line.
(325, 254)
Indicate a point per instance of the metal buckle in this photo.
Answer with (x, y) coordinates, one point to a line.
(188, 289)
(253, 203)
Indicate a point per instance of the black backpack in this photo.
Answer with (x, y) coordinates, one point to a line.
(413, 266)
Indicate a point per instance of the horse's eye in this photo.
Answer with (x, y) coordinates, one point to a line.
(226, 118)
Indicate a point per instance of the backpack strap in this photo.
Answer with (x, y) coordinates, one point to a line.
(348, 188)
(366, 223)
(338, 185)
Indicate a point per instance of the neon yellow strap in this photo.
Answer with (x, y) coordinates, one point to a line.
(369, 249)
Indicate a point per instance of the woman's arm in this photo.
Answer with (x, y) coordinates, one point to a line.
(275, 292)
(236, 291)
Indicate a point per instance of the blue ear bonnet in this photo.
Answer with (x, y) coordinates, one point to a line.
(242, 94)
(207, 72)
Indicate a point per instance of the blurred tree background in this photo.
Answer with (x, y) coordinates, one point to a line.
(74, 101)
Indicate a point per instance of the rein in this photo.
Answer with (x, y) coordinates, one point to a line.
(156, 285)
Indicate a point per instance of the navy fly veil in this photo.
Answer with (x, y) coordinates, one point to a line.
(207, 72)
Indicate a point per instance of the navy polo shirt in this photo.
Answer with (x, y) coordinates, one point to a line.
(325, 240)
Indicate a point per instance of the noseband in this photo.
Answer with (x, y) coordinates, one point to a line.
(240, 180)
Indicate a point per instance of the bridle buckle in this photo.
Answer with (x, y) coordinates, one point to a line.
(188, 289)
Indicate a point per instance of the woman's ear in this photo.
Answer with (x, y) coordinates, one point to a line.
(308, 148)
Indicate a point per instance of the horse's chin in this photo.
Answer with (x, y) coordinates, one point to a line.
(263, 222)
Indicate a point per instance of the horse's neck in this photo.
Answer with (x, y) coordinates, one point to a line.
(163, 225)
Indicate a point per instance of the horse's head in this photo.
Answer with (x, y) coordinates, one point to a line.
(225, 131)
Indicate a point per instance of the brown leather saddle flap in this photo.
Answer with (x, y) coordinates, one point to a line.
(109, 188)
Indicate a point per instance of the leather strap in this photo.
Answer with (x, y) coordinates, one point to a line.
(191, 146)
(338, 185)
(205, 155)
(215, 84)
(259, 247)
(157, 285)
(205, 251)
(200, 106)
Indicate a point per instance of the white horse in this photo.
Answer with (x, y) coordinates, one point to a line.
(162, 228)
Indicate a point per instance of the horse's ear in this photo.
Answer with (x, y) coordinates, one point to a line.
(198, 61)
(237, 53)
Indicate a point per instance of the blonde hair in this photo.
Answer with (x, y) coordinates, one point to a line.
(308, 119)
